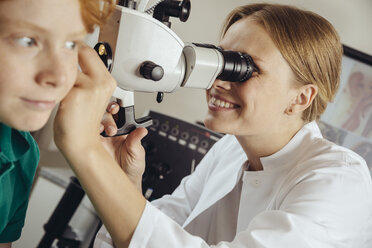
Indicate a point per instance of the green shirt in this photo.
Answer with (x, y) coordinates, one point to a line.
(19, 156)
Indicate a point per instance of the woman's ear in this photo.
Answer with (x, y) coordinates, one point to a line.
(303, 99)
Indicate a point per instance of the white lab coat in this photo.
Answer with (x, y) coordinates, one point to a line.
(311, 193)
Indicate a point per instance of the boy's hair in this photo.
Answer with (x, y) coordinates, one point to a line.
(307, 41)
(95, 12)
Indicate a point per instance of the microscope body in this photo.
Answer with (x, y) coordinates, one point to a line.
(136, 37)
(143, 54)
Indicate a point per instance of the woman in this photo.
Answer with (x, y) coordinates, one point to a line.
(272, 181)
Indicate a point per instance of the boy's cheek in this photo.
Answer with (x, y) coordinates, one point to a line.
(24, 120)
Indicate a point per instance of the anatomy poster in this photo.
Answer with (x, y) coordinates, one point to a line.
(348, 120)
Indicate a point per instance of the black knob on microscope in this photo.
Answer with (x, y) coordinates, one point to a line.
(174, 8)
(150, 70)
(184, 10)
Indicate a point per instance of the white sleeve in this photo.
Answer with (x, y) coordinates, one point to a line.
(269, 229)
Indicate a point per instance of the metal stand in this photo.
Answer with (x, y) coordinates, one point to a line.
(57, 226)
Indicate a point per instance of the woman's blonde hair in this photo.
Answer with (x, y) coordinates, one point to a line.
(95, 12)
(307, 41)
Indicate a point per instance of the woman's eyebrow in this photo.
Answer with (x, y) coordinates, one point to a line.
(254, 57)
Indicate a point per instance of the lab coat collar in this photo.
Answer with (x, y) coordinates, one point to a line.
(294, 149)
(221, 183)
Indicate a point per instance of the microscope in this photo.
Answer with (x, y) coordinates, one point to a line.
(143, 54)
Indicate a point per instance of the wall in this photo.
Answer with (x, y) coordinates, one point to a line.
(352, 19)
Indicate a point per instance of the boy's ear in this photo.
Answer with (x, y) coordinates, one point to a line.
(303, 100)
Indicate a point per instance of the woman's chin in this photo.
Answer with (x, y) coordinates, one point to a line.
(214, 125)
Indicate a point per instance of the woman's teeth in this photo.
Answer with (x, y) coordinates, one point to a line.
(220, 103)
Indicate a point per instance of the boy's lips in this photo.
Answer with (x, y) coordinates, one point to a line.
(39, 104)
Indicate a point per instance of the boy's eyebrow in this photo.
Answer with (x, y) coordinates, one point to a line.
(25, 24)
(21, 24)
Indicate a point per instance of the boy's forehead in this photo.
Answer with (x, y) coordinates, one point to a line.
(47, 15)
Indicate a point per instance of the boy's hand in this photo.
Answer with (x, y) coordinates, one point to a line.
(126, 149)
(77, 123)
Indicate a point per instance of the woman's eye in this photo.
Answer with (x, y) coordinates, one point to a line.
(256, 71)
(70, 45)
(26, 41)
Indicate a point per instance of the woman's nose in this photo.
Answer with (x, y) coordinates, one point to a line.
(52, 71)
(219, 84)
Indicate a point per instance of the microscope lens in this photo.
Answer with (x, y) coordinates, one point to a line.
(238, 67)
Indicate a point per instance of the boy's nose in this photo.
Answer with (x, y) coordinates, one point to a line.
(52, 71)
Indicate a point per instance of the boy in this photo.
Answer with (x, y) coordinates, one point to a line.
(40, 49)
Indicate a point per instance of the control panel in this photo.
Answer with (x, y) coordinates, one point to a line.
(173, 149)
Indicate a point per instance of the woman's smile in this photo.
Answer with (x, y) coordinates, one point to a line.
(217, 103)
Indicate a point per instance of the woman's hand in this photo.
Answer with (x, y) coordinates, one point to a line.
(126, 149)
(77, 123)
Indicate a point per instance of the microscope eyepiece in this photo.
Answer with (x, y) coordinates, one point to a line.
(238, 67)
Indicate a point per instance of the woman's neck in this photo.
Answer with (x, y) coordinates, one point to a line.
(266, 144)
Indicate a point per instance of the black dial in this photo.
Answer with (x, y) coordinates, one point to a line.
(150, 70)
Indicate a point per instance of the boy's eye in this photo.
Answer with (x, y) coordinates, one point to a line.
(26, 41)
(70, 45)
